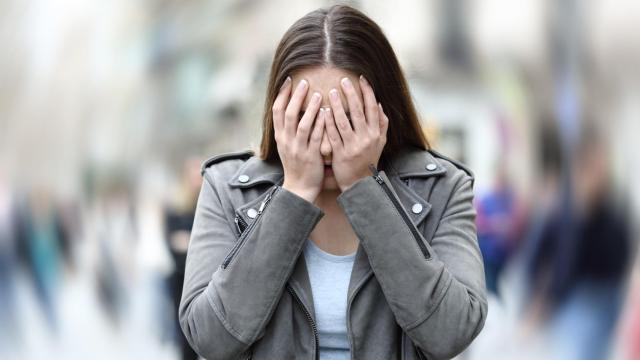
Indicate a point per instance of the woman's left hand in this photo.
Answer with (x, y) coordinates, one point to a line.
(354, 149)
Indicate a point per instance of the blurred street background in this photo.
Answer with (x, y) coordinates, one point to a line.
(107, 109)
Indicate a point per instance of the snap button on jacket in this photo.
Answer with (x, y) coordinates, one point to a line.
(417, 289)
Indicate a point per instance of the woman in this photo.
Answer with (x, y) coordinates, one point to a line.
(347, 237)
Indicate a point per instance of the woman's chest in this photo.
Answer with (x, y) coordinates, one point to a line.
(335, 236)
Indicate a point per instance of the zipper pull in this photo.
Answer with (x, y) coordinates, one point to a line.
(237, 221)
(375, 173)
(266, 200)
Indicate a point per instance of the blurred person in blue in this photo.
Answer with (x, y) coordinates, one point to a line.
(501, 217)
(44, 248)
(347, 236)
(9, 326)
(578, 265)
(500, 226)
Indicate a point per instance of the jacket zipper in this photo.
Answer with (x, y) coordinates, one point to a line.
(309, 317)
(420, 356)
(403, 355)
(349, 331)
(245, 234)
(240, 224)
(399, 208)
(249, 354)
(349, 302)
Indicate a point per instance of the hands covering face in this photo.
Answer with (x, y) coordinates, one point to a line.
(353, 149)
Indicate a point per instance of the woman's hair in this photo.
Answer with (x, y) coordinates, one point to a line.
(345, 38)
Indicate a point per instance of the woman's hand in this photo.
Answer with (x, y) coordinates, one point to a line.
(299, 143)
(354, 149)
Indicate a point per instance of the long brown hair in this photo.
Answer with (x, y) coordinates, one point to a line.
(344, 37)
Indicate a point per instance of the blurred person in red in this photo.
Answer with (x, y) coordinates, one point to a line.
(631, 330)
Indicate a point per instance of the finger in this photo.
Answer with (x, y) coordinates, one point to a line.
(384, 123)
(318, 129)
(355, 105)
(293, 108)
(340, 118)
(304, 128)
(332, 130)
(370, 104)
(280, 104)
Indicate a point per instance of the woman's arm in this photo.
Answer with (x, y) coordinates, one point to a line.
(436, 291)
(225, 309)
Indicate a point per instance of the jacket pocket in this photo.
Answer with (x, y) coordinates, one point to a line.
(246, 231)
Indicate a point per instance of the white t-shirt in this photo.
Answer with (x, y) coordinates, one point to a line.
(329, 275)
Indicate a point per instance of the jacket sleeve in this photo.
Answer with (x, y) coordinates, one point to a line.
(223, 310)
(439, 301)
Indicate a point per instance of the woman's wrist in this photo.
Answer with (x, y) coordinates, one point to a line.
(308, 194)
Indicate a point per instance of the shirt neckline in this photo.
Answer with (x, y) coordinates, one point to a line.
(311, 246)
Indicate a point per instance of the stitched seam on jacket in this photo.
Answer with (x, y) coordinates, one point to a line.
(433, 309)
(210, 181)
(453, 193)
(226, 324)
(435, 231)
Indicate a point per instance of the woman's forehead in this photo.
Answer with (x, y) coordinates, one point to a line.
(324, 78)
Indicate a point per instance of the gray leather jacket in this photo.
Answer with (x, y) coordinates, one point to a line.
(417, 290)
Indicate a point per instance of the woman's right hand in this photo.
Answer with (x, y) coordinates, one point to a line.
(299, 143)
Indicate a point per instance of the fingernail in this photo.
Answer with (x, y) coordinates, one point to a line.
(346, 81)
(316, 97)
(363, 79)
(380, 105)
(286, 82)
(334, 94)
(303, 84)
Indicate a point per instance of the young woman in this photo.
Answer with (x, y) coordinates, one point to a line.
(347, 237)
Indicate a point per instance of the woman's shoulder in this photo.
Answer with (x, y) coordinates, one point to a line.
(457, 173)
(241, 155)
(453, 178)
(453, 165)
(427, 163)
(241, 169)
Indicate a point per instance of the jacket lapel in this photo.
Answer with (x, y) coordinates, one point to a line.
(256, 171)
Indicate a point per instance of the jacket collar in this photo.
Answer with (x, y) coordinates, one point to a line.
(410, 163)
